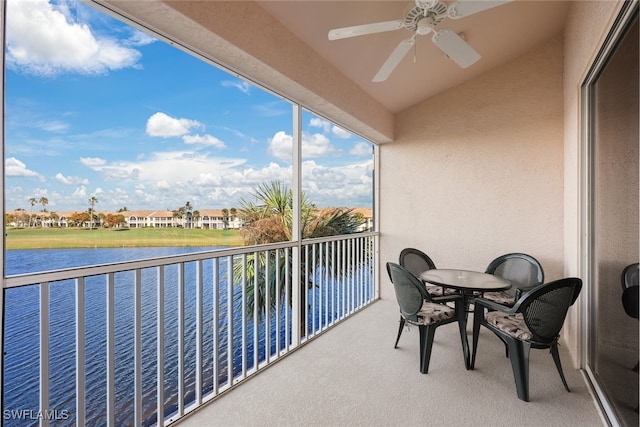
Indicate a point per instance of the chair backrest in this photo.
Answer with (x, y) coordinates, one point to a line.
(415, 261)
(629, 276)
(545, 307)
(630, 301)
(522, 270)
(410, 292)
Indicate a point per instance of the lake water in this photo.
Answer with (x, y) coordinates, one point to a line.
(21, 376)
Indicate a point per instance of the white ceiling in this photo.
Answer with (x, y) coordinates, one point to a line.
(499, 35)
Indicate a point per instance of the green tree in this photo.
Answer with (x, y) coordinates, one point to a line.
(269, 219)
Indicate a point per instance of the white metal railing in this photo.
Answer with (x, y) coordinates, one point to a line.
(121, 343)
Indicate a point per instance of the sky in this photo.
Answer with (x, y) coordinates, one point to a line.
(96, 108)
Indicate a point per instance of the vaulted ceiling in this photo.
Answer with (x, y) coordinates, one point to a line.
(499, 34)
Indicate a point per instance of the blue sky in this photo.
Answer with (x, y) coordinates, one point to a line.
(94, 107)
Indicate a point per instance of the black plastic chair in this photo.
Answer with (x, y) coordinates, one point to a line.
(522, 270)
(419, 308)
(415, 261)
(629, 280)
(534, 321)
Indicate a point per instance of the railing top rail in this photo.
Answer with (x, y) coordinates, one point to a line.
(95, 270)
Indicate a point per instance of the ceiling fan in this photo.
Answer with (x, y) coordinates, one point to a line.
(422, 19)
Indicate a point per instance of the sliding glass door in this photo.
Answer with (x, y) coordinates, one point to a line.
(613, 223)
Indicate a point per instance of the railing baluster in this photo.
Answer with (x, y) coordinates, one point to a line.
(216, 323)
(199, 302)
(267, 304)
(305, 288)
(313, 290)
(230, 340)
(256, 331)
(80, 358)
(160, 347)
(137, 333)
(244, 315)
(180, 339)
(287, 290)
(44, 351)
(277, 299)
(111, 350)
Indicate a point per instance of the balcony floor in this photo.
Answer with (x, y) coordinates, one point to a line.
(353, 376)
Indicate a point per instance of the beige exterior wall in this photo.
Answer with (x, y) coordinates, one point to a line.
(477, 171)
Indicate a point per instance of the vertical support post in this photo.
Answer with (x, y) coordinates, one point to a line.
(297, 286)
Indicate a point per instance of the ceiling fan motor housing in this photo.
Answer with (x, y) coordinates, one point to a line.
(433, 12)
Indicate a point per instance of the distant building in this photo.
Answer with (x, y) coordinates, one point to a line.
(208, 219)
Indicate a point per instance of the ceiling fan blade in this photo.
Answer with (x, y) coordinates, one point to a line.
(462, 8)
(361, 30)
(455, 47)
(394, 59)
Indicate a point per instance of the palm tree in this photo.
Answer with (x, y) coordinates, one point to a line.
(225, 218)
(92, 203)
(33, 202)
(269, 220)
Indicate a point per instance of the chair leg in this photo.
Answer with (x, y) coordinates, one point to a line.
(399, 331)
(426, 343)
(556, 358)
(519, 357)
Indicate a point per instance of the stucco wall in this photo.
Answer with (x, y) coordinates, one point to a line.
(477, 171)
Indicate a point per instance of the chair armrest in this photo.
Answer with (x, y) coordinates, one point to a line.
(523, 290)
(481, 303)
(447, 298)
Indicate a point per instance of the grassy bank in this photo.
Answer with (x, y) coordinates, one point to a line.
(71, 237)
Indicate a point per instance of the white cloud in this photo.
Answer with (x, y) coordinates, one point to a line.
(44, 40)
(313, 146)
(280, 146)
(71, 180)
(241, 85)
(92, 162)
(14, 167)
(317, 122)
(361, 149)
(316, 145)
(340, 133)
(80, 193)
(209, 140)
(166, 126)
(328, 127)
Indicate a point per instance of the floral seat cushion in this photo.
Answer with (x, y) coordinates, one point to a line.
(512, 324)
(433, 313)
(500, 297)
(439, 291)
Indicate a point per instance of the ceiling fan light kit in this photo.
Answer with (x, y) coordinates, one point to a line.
(421, 19)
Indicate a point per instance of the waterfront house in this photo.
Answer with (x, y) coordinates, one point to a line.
(513, 154)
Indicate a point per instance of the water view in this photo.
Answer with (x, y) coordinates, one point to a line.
(338, 277)
(21, 380)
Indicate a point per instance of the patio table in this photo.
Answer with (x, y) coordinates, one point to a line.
(469, 283)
